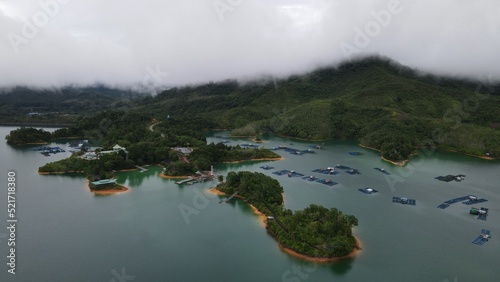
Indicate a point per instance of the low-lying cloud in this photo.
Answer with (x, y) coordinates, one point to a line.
(169, 42)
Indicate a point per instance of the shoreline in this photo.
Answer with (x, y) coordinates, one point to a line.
(256, 160)
(162, 175)
(263, 219)
(400, 163)
(468, 154)
(59, 172)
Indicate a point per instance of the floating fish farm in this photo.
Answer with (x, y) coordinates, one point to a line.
(367, 190)
(329, 171)
(484, 237)
(382, 170)
(481, 213)
(449, 177)
(404, 201)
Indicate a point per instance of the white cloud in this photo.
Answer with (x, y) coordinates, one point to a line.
(118, 41)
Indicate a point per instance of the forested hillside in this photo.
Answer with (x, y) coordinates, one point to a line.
(384, 105)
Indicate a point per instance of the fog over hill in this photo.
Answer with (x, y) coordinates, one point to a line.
(156, 43)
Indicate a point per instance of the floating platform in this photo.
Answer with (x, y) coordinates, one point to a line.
(266, 167)
(484, 237)
(290, 173)
(449, 177)
(352, 171)
(310, 178)
(328, 182)
(404, 201)
(382, 170)
(443, 206)
(315, 146)
(45, 150)
(354, 153)
(481, 213)
(342, 167)
(329, 171)
(467, 200)
(477, 201)
(367, 190)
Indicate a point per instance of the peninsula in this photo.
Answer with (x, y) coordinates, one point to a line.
(315, 233)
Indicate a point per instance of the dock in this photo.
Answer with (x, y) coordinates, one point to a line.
(382, 170)
(230, 198)
(452, 201)
(484, 237)
(367, 190)
(180, 182)
(142, 169)
(404, 201)
(46, 150)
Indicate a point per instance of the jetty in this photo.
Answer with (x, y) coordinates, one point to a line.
(484, 237)
(230, 198)
(185, 181)
(142, 169)
(382, 170)
(404, 201)
(367, 190)
(449, 177)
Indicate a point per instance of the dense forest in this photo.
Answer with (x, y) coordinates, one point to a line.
(23, 105)
(28, 135)
(147, 142)
(316, 231)
(381, 103)
(384, 105)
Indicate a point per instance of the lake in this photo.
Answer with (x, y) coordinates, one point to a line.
(160, 231)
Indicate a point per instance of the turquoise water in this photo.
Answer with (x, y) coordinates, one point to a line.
(159, 231)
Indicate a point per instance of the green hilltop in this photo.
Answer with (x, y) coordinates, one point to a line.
(382, 104)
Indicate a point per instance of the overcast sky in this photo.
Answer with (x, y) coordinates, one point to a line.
(169, 42)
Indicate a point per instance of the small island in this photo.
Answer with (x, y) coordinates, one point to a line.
(315, 233)
(106, 187)
(27, 136)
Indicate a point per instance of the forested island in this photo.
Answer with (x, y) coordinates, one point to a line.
(316, 233)
(28, 135)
